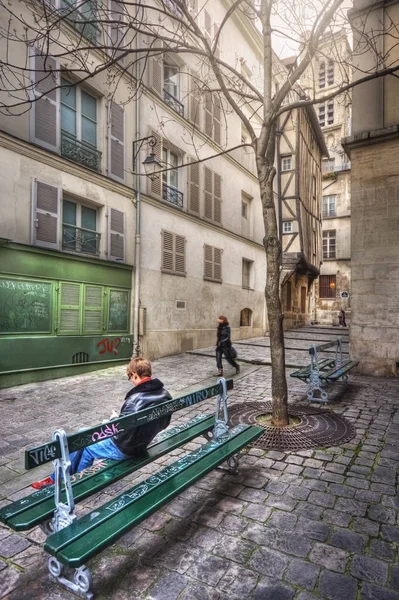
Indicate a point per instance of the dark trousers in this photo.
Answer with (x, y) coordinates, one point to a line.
(226, 351)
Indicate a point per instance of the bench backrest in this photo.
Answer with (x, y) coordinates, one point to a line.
(34, 457)
(314, 349)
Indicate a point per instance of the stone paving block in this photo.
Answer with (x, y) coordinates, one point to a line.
(293, 459)
(306, 596)
(282, 503)
(269, 562)
(276, 487)
(357, 483)
(293, 543)
(332, 477)
(365, 526)
(333, 559)
(336, 517)
(199, 592)
(348, 540)
(369, 569)
(312, 511)
(341, 490)
(238, 582)
(209, 517)
(178, 556)
(384, 489)
(231, 505)
(260, 534)
(209, 569)
(337, 587)
(234, 549)
(314, 530)
(253, 495)
(293, 469)
(368, 496)
(168, 587)
(302, 573)
(382, 514)
(322, 499)
(352, 507)
(390, 533)
(298, 492)
(233, 525)
(395, 578)
(312, 473)
(373, 592)
(258, 512)
(9, 580)
(274, 455)
(315, 484)
(383, 550)
(13, 544)
(282, 520)
(268, 589)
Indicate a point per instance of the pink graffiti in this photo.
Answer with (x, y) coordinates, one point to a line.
(109, 345)
(89, 471)
(105, 432)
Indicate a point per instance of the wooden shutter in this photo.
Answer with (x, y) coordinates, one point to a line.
(217, 198)
(194, 187)
(116, 164)
(45, 215)
(216, 119)
(156, 185)
(195, 99)
(180, 255)
(116, 235)
(156, 68)
(215, 32)
(117, 32)
(208, 25)
(92, 322)
(208, 107)
(69, 308)
(45, 113)
(167, 251)
(208, 194)
(208, 260)
(217, 264)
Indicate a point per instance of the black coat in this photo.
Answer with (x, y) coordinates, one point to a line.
(223, 335)
(144, 395)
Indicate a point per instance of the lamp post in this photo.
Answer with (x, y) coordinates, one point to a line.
(151, 163)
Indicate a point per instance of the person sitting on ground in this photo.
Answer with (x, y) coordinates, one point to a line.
(146, 392)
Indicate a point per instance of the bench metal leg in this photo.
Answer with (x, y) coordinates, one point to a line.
(232, 464)
(315, 386)
(80, 585)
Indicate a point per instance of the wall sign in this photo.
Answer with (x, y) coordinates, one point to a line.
(344, 294)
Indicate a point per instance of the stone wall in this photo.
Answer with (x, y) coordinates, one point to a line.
(374, 336)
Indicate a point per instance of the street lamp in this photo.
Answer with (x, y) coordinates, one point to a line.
(151, 163)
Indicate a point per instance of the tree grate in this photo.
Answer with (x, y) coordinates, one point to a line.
(317, 428)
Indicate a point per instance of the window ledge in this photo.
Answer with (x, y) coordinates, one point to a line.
(173, 273)
(213, 280)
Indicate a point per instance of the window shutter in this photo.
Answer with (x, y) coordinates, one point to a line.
(217, 198)
(156, 69)
(208, 114)
(194, 188)
(208, 25)
(116, 31)
(215, 32)
(117, 142)
(216, 119)
(195, 99)
(116, 235)
(45, 117)
(93, 309)
(156, 185)
(180, 255)
(167, 251)
(208, 258)
(46, 208)
(217, 264)
(208, 192)
(69, 309)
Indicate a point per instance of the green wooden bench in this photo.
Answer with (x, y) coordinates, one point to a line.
(326, 370)
(72, 541)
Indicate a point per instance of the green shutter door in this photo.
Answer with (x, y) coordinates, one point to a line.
(69, 318)
(92, 322)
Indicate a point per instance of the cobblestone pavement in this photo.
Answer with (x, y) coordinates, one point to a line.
(306, 525)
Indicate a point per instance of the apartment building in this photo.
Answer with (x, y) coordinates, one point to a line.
(96, 255)
(373, 147)
(328, 72)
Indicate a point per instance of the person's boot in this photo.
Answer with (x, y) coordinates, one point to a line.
(238, 369)
(220, 372)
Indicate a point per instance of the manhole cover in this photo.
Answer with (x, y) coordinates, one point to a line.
(316, 428)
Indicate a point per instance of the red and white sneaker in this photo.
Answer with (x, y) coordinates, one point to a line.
(39, 485)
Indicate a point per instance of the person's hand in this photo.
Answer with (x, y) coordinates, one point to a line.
(114, 415)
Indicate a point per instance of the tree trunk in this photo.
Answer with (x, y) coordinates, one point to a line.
(273, 249)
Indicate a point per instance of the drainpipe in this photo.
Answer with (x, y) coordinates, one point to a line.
(137, 252)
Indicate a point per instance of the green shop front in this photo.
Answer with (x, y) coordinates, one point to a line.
(61, 314)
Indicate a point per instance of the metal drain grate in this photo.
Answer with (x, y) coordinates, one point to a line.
(317, 428)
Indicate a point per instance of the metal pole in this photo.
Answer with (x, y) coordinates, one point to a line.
(137, 252)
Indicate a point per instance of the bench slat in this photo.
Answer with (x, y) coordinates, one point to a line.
(45, 453)
(339, 371)
(321, 347)
(78, 542)
(305, 372)
(39, 506)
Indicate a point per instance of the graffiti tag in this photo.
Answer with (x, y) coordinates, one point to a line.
(106, 432)
(43, 455)
(108, 345)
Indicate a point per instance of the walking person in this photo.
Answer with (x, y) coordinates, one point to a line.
(341, 318)
(223, 345)
(145, 393)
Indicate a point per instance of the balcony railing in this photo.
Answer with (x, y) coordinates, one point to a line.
(331, 213)
(81, 240)
(173, 103)
(79, 152)
(172, 195)
(79, 21)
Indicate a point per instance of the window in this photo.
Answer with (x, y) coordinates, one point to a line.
(244, 209)
(173, 253)
(286, 163)
(303, 299)
(79, 125)
(246, 273)
(328, 165)
(82, 15)
(330, 73)
(314, 186)
(171, 87)
(246, 317)
(322, 115)
(287, 226)
(327, 286)
(213, 264)
(289, 295)
(170, 179)
(330, 112)
(213, 121)
(329, 245)
(322, 74)
(329, 206)
(79, 228)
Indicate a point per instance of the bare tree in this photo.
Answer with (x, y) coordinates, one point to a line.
(123, 39)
